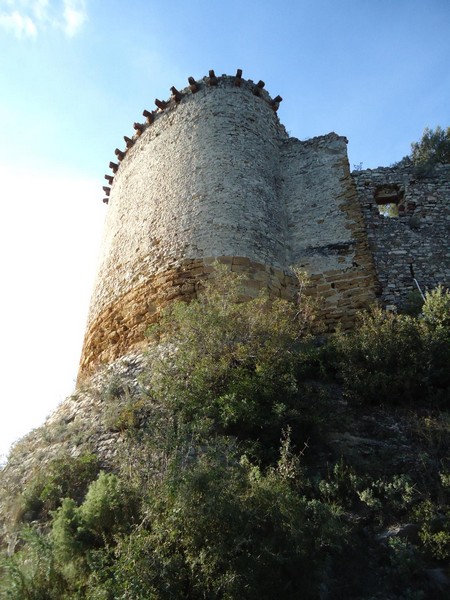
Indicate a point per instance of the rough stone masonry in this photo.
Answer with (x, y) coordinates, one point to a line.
(410, 242)
(213, 175)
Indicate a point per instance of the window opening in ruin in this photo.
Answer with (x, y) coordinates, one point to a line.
(388, 199)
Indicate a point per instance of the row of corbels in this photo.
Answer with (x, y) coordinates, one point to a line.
(176, 97)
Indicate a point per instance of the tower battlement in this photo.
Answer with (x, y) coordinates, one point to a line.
(165, 106)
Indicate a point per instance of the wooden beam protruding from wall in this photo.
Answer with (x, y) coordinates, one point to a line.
(276, 102)
(177, 96)
(258, 87)
(212, 78)
(193, 85)
(162, 104)
(149, 116)
(139, 128)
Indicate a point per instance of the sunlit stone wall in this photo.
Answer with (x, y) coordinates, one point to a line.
(214, 175)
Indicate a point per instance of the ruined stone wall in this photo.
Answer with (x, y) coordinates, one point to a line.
(414, 244)
(327, 237)
(213, 175)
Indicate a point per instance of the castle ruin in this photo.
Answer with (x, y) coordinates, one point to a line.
(213, 175)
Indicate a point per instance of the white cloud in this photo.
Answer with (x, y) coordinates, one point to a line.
(27, 18)
(40, 9)
(74, 16)
(18, 24)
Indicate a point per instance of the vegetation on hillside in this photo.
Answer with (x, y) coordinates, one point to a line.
(227, 486)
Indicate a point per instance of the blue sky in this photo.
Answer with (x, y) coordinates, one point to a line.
(75, 75)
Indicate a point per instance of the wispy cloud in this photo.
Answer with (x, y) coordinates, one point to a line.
(74, 16)
(19, 24)
(28, 18)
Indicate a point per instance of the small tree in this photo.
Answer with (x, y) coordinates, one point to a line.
(436, 309)
(433, 148)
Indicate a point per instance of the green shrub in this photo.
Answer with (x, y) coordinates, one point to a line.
(436, 316)
(384, 360)
(413, 304)
(62, 478)
(81, 535)
(65, 533)
(398, 359)
(436, 309)
(32, 572)
(108, 508)
(126, 416)
(217, 528)
(340, 486)
(232, 368)
(223, 529)
(386, 498)
(405, 568)
(434, 523)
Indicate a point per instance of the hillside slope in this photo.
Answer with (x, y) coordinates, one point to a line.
(243, 456)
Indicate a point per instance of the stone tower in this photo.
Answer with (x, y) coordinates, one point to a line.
(213, 175)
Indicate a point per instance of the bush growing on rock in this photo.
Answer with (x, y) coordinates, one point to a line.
(224, 529)
(233, 367)
(398, 359)
(382, 360)
(436, 309)
(61, 478)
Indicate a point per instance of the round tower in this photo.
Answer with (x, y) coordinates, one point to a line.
(204, 178)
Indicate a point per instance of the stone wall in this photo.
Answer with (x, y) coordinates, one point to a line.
(414, 244)
(326, 234)
(214, 175)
